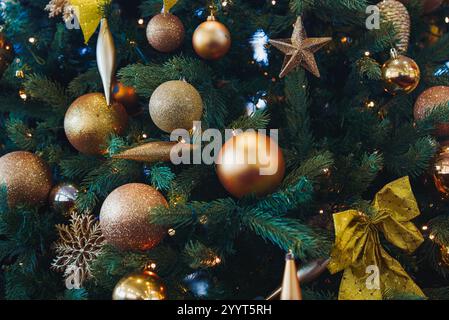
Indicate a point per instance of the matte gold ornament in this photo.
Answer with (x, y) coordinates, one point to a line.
(441, 171)
(427, 101)
(127, 97)
(27, 178)
(299, 50)
(175, 105)
(106, 58)
(6, 53)
(250, 162)
(400, 74)
(144, 285)
(154, 151)
(88, 13)
(290, 284)
(124, 217)
(62, 197)
(89, 122)
(396, 13)
(165, 32)
(211, 39)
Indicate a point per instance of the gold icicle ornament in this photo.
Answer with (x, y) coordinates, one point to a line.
(106, 58)
(290, 283)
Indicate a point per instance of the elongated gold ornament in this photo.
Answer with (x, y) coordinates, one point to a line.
(106, 58)
(290, 284)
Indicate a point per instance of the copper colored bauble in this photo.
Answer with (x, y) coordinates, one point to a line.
(175, 105)
(89, 122)
(427, 5)
(62, 197)
(124, 217)
(127, 97)
(400, 74)
(211, 39)
(144, 285)
(26, 176)
(165, 32)
(6, 53)
(429, 99)
(249, 163)
(441, 171)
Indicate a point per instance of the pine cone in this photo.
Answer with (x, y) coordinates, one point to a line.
(395, 12)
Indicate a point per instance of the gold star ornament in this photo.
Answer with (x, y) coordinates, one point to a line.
(299, 50)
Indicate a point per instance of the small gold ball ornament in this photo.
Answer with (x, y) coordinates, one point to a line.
(211, 39)
(165, 32)
(175, 105)
(26, 176)
(427, 101)
(124, 217)
(89, 122)
(62, 197)
(400, 74)
(250, 162)
(144, 285)
(441, 170)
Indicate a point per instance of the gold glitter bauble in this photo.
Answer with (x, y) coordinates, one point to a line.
(62, 197)
(250, 162)
(429, 99)
(89, 122)
(127, 97)
(26, 176)
(6, 53)
(124, 217)
(165, 32)
(441, 171)
(400, 74)
(175, 105)
(144, 285)
(211, 39)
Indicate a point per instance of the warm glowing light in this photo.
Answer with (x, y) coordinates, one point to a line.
(144, 136)
(140, 21)
(22, 94)
(171, 232)
(273, 2)
(424, 228)
(431, 237)
(367, 53)
(446, 19)
(32, 40)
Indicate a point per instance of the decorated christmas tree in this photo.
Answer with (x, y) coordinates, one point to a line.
(203, 149)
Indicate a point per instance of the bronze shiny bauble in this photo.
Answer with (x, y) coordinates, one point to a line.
(26, 176)
(89, 122)
(6, 53)
(249, 163)
(441, 171)
(211, 39)
(400, 74)
(62, 197)
(124, 217)
(144, 285)
(175, 105)
(429, 99)
(165, 32)
(127, 97)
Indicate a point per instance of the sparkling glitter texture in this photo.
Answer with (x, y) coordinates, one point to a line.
(174, 105)
(165, 32)
(429, 99)
(396, 13)
(154, 151)
(299, 50)
(89, 122)
(124, 217)
(26, 176)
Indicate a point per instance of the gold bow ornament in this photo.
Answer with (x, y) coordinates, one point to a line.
(369, 271)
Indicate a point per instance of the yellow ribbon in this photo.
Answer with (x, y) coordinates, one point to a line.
(168, 4)
(368, 269)
(88, 13)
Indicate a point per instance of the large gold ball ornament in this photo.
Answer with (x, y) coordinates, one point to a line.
(400, 74)
(62, 197)
(175, 105)
(249, 163)
(26, 176)
(427, 101)
(441, 171)
(165, 32)
(124, 217)
(89, 122)
(211, 39)
(144, 285)
(127, 97)
(6, 53)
